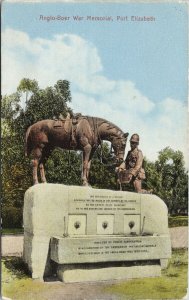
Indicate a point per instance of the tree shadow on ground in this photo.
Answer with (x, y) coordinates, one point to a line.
(17, 266)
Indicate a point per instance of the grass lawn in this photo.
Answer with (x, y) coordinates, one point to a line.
(12, 231)
(172, 284)
(178, 221)
(18, 285)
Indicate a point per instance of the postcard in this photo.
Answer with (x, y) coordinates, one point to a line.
(94, 150)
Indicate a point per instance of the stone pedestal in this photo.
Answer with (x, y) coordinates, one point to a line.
(87, 231)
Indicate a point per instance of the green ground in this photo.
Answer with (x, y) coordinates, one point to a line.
(172, 285)
(12, 231)
(178, 221)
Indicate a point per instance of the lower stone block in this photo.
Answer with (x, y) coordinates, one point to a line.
(111, 273)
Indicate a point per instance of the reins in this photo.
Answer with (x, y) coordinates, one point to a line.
(102, 157)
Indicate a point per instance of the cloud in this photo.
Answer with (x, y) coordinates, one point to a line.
(65, 56)
(68, 56)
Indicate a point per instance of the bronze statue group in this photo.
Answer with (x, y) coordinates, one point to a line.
(84, 133)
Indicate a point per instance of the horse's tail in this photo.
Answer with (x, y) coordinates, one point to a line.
(28, 144)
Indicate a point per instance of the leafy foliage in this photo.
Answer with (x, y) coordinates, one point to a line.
(169, 179)
(102, 173)
(64, 167)
(16, 169)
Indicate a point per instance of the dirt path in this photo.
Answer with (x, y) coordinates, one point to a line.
(80, 291)
(179, 237)
(12, 245)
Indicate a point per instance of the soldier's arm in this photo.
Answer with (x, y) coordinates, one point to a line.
(121, 167)
(138, 165)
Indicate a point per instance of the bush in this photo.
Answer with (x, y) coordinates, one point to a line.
(12, 217)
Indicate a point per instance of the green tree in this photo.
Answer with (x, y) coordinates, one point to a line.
(64, 167)
(16, 169)
(173, 187)
(47, 103)
(102, 172)
(152, 180)
(28, 86)
(168, 179)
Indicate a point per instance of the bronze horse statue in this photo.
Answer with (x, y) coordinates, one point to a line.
(82, 133)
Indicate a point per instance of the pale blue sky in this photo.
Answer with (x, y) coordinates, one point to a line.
(152, 54)
(140, 66)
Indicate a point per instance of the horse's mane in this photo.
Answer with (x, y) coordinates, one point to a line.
(100, 121)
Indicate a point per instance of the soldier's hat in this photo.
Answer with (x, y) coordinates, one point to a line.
(134, 138)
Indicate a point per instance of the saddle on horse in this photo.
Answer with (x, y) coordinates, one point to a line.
(69, 125)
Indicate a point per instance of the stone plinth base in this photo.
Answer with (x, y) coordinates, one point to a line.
(112, 273)
(81, 225)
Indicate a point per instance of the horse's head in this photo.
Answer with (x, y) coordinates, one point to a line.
(119, 144)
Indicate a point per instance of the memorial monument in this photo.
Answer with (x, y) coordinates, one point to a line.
(86, 234)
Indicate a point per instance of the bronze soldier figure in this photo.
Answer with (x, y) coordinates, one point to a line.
(131, 170)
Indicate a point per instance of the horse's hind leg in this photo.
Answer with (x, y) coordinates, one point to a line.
(36, 153)
(45, 155)
(42, 172)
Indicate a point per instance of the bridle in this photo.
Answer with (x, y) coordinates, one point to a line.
(118, 145)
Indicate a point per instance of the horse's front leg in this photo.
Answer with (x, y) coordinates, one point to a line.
(45, 152)
(42, 172)
(89, 162)
(35, 163)
(88, 169)
(86, 154)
